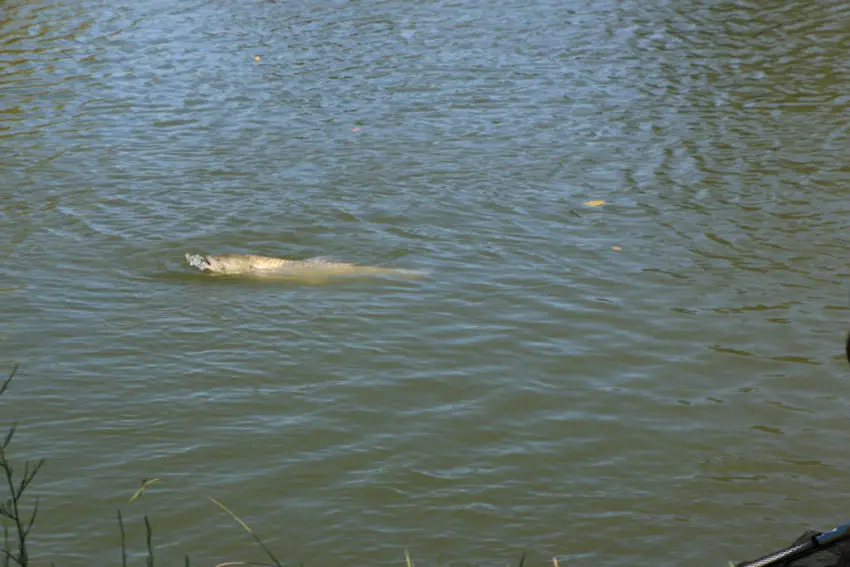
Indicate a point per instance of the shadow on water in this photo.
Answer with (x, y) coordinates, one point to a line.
(276, 280)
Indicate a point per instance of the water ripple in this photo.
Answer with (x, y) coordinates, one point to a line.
(663, 367)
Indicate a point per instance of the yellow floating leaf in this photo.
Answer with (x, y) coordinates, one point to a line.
(594, 203)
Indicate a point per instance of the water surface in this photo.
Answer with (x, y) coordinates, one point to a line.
(654, 380)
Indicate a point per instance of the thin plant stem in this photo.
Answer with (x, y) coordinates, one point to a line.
(11, 509)
(123, 540)
(245, 526)
(149, 538)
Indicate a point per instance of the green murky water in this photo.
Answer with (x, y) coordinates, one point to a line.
(655, 380)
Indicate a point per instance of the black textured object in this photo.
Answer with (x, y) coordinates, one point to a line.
(837, 555)
(835, 551)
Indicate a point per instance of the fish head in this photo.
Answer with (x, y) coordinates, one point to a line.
(199, 261)
(221, 264)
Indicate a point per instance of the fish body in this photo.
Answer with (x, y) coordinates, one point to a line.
(251, 264)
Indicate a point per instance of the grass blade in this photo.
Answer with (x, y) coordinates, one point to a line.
(247, 529)
(146, 482)
(9, 379)
(123, 541)
(148, 538)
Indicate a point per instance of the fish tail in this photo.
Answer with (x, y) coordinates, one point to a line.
(402, 272)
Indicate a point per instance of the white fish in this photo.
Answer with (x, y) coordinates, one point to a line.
(250, 264)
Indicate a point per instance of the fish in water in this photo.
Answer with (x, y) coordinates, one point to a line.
(250, 264)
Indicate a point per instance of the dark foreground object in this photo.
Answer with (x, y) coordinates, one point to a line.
(812, 549)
